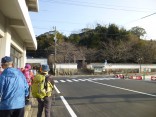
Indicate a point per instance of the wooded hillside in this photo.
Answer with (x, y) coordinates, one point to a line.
(111, 43)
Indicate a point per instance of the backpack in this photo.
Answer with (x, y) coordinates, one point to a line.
(38, 87)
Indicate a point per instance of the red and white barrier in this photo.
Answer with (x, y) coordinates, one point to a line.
(146, 77)
(136, 77)
(153, 77)
(119, 76)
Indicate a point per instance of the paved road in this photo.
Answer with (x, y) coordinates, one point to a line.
(104, 97)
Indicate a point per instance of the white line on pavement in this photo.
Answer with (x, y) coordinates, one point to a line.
(82, 80)
(72, 113)
(62, 81)
(124, 89)
(75, 80)
(55, 81)
(56, 89)
(66, 104)
(69, 80)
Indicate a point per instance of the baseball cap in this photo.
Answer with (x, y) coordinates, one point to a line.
(28, 66)
(6, 59)
(45, 68)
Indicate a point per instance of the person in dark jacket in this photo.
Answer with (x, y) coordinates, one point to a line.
(13, 90)
(46, 102)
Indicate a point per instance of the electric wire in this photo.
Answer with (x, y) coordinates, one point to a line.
(89, 4)
(100, 5)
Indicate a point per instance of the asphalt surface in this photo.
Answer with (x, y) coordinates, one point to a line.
(103, 97)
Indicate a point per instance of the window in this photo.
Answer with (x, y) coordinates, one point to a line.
(16, 56)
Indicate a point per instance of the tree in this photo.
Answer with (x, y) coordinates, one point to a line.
(138, 31)
(90, 54)
(74, 38)
(111, 43)
(113, 31)
(111, 51)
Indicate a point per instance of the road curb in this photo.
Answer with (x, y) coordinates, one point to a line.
(28, 107)
(27, 110)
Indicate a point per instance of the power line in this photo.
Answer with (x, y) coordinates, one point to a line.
(80, 23)
(67, 22)
(103, 33)
(88, 4)
(141, 18)
(95, 5)
(148, 15)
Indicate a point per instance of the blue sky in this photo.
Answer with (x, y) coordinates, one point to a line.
(71, 16)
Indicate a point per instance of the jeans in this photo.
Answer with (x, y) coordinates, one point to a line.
(12, 113)
(44, 103)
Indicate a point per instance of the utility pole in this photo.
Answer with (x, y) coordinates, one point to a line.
(55, 39)
(140, 60)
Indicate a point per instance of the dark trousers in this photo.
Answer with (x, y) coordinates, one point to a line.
(29, 89)
(46, 104)
(12, 113)
(28, 97)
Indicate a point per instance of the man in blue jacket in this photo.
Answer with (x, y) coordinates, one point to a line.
(13, 90)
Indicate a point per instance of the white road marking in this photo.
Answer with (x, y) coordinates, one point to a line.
(70, 110)
(55, 81)
(124, 89)
(115, 78)
(69, 80)
(62, 81)
(72, 113)
(95, 79)
(103, 79)
(89, 79)
(82, 79)
(56, 89)
(75, 80)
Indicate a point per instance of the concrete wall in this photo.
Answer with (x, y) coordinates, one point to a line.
(65, 68)
(10, 38)
(2, 25)
(15, 30)
(37, 60)
(140, 67)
